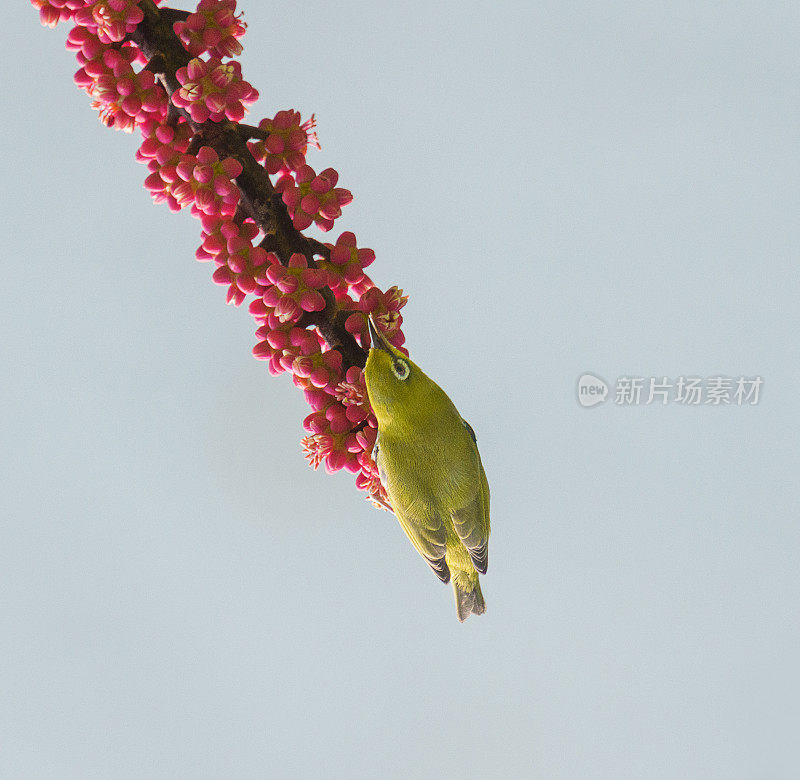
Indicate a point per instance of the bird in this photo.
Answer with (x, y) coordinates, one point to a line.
(428, 463)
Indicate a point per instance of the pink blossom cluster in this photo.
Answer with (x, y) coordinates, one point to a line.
(213, 90)
(122, 96)
(287, 294)
(214, 29)
(339, 426)
(285, 147)
(312, 197)
(110, 20)
(161, 150)
(294, 288)
(51, 12)
(342, 427)
(206, 183)
(346, 266)
(238, 261)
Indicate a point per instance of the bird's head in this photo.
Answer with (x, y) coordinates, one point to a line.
(395, 384)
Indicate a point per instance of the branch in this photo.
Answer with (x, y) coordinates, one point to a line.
(166, 54)
(188, 102)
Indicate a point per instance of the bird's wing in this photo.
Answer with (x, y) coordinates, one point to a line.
(427, 533)
(471, 520)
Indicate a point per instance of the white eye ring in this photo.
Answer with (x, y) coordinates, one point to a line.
(400, 368)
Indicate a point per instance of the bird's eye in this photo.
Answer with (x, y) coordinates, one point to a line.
(400, 368)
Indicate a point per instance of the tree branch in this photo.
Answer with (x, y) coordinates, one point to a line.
(166, 54)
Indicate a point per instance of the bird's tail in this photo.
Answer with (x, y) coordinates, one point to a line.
(469, 599)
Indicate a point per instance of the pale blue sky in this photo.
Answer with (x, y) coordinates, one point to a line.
(560, 188)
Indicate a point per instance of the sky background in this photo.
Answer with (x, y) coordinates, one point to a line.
(560, 188)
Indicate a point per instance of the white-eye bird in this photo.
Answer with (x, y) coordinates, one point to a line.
(428, 462)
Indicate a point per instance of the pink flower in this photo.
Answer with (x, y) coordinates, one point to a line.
(213, 91)
(213, 28)
(286, 347)
(352, 394)
(230, 246)
(369, 479)
(332, 450)
(285, 148)
(207, 183)
(127, 98)
(292, 289)
(347, 263)
(332, 440)
(123, 97)
(51, 12)
(322, 370)
(312, 197)
(162, 149)
(87, 45)
(110, 20)
(385, 310)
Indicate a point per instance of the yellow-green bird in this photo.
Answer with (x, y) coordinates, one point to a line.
(428, 462)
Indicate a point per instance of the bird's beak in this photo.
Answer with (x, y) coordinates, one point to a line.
(378, 339)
